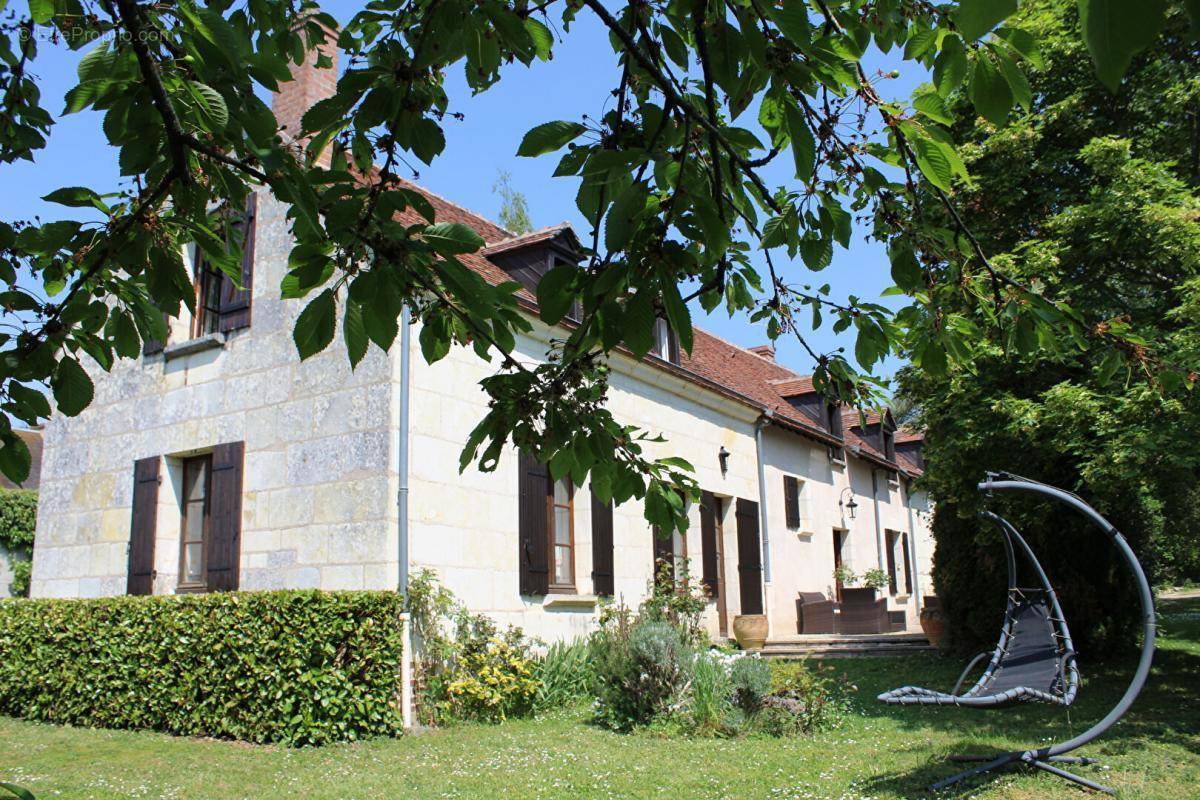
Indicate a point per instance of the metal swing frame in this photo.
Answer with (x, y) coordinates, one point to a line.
(1042, 758)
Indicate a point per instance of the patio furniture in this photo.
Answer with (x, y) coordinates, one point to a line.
(814, 614)
(862, 611)
(1034, 658)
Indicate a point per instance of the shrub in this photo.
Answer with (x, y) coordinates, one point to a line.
(493, 683)
(566, 675)
(750, 678)
(465, 667)
(18, 521)
(815, 697)
(638, 668)
(293, 667)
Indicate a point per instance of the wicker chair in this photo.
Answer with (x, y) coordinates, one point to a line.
(863, 612)
(814, 614)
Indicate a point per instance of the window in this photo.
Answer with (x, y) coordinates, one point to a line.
(209, 288)
(562, 535)
(666, 345)
(896, 541)
(833, 423)
(889, 444)
(195, 522)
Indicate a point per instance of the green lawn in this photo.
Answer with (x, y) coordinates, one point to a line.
(883, 752)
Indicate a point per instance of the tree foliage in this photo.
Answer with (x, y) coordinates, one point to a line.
(514, 206)
(670, 175)
(1096, 198)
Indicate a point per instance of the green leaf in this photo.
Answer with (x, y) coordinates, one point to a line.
(553, 293)
(316, 324)
(354, 332)
(14, 463)
(933, 160)
(974, 18)
(452, 238)
(1115, 30)
(1016, 81)
(950, 66)
(804, 149)
(543, 39)
(428, 141)
(77, 197)
(638, 324)
(990, 93)
(42, 11)
(678, 316)
(933, 106)
(31, 399)
(620, 222)
(211, 104)
(906, 272)
(548, 137)
(73, 389)
(435, 339)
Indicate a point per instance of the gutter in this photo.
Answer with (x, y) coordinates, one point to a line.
(763, 421)
(878, 524)
(912, 549)
(406, 659)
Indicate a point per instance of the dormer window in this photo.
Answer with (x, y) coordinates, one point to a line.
(889, 444)
(666, 343)
(833, 419)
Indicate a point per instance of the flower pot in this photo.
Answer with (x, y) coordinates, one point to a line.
(933, 623)
(750, 630)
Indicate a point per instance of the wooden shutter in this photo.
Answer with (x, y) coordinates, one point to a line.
(749, 557)
(534, 522)
(225, 517)
(672, 346)
(603, 582)
(143, 525)
(890, 541)
(708, 544)
(791, 501)
(235, 303)
(907, 564)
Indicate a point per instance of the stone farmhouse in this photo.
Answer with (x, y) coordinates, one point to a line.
(219, 461)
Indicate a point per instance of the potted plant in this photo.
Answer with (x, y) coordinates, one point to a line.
(844, 576)
(875, 578)
(933, 621)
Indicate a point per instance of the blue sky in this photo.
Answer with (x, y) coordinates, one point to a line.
(577, 81)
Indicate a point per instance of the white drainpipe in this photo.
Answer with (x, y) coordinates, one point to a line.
(762, 423)
(406, 660)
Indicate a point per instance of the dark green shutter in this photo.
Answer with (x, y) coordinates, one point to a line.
(603, 582)
(225, 517)
(749, 557)
(791, 501)
(533, 539)
(708, 543)
(144, 521)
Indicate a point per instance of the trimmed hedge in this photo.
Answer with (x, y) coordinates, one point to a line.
(293, 667)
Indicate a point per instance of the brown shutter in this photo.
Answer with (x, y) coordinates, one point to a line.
(791, 501)
(708, 543)
(890, 540)
(534, 522)
(672, 347)
(142, 527)
(907, 564)
(225, 517)
(749, 557)
(602, 548)
(235, 303)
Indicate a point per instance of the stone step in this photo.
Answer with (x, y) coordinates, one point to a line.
(825, 646)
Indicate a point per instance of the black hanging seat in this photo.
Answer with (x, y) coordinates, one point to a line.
(1034, 658)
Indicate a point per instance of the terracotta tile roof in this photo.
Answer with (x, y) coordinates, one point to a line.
(906, 434)
(714, 363)
(531, 238)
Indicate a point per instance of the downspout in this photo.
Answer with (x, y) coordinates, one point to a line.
(406, 660)
(912, 547)
(759, 426)
(878, 524)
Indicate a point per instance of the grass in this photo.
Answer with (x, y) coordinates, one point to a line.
(882, 752)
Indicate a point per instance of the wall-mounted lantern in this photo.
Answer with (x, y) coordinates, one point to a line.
(723, 457)
(847, 505)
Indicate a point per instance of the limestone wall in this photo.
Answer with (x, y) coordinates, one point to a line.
(319, 474)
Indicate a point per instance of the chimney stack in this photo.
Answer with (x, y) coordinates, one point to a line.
(309, 84)
(766, 351)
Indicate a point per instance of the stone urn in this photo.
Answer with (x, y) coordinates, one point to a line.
(750, 630)
(933, 624)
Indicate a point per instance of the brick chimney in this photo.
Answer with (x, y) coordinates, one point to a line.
(767, 351)
(309, 84)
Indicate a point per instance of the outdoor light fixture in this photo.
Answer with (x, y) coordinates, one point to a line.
(723, 457)
(847, 505)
